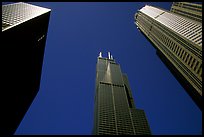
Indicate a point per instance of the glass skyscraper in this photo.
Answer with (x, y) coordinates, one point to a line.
(24, 33)
(115, 112)
(178, 42)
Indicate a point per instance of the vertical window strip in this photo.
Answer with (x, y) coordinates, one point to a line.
(195, 65)
(189, 60)
(200, 70)
(186, 58)
(174, 46)
(198, 67)
(192, 62)
(178, 51)
(183, 55)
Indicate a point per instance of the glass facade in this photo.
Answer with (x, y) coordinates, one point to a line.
(115, 112)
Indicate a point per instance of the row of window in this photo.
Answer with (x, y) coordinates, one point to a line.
(107, 123)
(183, 22)
(108, 110)
(189, 15)
(190, 7)
(116, 85)
(106, 114)
(188, 29)
(194, 9)
(179, 64)
(192, 47)
(188, 46)
(182, 41)
(181, 53)
(181, 4)
(175, 61)
(183, 68)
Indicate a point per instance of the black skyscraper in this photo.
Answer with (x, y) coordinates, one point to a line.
(115, 112)
(24, 32)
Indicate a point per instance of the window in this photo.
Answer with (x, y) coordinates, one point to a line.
(192, 63)
(188, 61)
(174, 47)
(178, 51)
(196, 65)
(181, 53)
(184, 55)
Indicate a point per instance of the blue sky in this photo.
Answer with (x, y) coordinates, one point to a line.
(77, 33)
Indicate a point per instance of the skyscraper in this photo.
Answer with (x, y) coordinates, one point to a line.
(115, 112)
(188, 10)
(178, 42)
(24, 32)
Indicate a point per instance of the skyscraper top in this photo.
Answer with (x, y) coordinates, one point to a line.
(179, 24)
(16, 13)
(109, 55)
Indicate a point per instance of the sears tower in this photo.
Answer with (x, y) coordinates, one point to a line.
(115, 112)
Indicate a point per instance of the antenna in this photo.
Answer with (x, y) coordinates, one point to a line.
(109, 55)
(100, 54)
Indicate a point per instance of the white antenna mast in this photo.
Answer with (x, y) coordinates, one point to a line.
(109, 55)
(100, 54)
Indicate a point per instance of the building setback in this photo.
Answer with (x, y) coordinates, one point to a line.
(24, 32)
(178, 42)
(115, 112)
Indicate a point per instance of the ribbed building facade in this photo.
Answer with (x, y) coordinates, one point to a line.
(178, 42)
(188, 10)
(115, 112)
(24, 33)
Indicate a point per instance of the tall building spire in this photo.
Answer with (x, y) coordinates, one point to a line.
(115, 112)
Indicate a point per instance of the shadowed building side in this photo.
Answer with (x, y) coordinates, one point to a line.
(24, 32)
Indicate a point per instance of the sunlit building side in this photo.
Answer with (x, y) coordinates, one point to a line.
(188, 10)
(178, 42)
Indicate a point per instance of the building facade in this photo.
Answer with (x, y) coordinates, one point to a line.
(24, 32)
(188, 10)
(115, 112)
(178, 42)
